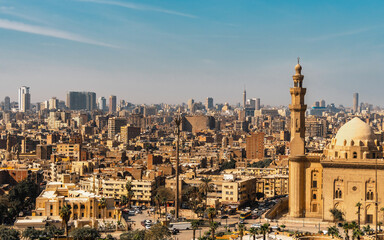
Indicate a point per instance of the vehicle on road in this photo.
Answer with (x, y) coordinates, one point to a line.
(224, 217)
(175, 231)
(148, 226)
(181, 226)
(245, 214)
(256, 225)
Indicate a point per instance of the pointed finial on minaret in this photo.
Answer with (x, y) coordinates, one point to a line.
(298, 67)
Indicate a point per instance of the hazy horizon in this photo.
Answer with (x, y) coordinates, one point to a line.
(170, 51)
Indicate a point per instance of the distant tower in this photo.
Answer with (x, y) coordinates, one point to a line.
(209, 103)
(257, 107)
(112, 104)
(7, 103)
(244, 98)
(102, 103)
(297, 146)
(24, 99)
(355, 102)
(190, 104)
(322, 103)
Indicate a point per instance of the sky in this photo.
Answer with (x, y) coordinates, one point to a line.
(168, 51)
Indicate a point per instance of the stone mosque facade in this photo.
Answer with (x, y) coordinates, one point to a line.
(340, 177)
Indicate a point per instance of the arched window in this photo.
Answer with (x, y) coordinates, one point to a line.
(371, 195)
(314, 196)
(354, 154)
(340, 195)
(346, 155)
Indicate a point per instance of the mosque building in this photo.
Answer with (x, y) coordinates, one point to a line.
(346, 173)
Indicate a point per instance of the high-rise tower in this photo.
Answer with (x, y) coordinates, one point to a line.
(112, 104)
(297, 146)
(244, 98)
(355, 102)
(24, 99)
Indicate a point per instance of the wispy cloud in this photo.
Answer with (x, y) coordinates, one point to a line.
(10, 11)
(140, 7)
(340, 34)
(43, 31)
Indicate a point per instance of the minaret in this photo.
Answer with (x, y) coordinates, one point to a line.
(297, 146)
(298, 109)
(244, 98)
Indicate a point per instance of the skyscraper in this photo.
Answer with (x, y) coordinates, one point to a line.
(112, 104)
(81, 101)
(102, 103)
(24, 99)
(190, 104)
(355, 102)
(7, 103)
(257, 107)
(209, 103)
(244, 98)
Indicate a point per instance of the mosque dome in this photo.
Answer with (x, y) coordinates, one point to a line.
(355, 130)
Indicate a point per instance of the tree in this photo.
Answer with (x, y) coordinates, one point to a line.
(85, 233)
(9, 233)
(358, 205)
(158, 203)
(338, 216)
(130, 194)
(241, 230)
(333, 231)
(133, 235)
(213, 226)
(254, 231)
(205, 187)
(52, 231)
(103, 205)
(32, 233)
(357, 233)
(346, 227)
(264, 229)
(367, 229)
(157, 232)
(283, 227)
(259, 195)
(65, 214)
(211, 213)
(195, 225)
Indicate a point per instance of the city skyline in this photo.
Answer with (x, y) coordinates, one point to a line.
(171, 51)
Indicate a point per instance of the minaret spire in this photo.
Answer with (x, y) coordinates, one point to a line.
(298, 109)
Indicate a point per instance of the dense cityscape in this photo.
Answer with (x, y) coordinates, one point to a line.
(191, 120)
(120, 170)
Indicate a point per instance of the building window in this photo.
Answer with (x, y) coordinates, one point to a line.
(314, 184)
(369, 195)
(314, 196)
(369, 218)
(354, 154)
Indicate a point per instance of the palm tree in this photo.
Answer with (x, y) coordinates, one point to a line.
(164, 201)
(358, 205)
(158, 203)
(195, 225)
(357, 233)
(253, 231)
(264, 229)
(367, 229)
(206, 187)
(128, 187)
(211, 213)
(213, 226)
(65, 214)
(103, 205)
(346, 227)
(337, 215)
(333, 231)
(241, 230)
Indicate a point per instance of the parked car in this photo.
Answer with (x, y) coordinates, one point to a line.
(175, 231)
(147, 222)
(256, 225)
(131, 212)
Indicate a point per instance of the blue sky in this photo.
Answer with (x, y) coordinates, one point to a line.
(171, 50)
